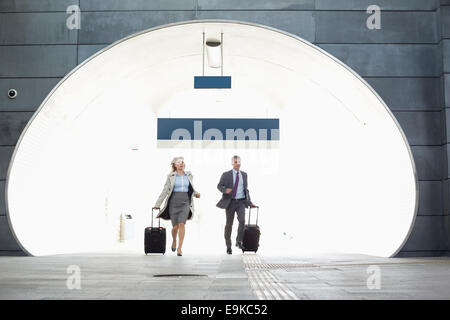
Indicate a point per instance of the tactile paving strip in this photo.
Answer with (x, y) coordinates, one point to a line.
(254, 264)
(264, 284)
(265, 266)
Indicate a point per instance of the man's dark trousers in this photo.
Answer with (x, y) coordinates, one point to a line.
(238, 206)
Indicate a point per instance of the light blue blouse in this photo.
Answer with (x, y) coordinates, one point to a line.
(181, 183)
(240, 189)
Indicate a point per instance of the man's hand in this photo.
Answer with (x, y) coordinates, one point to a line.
(197, 195)
(228, 190)
(253, 206)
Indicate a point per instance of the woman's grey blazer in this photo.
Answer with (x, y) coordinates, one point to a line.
(167, 192)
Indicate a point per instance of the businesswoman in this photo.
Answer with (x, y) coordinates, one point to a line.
(179, 205)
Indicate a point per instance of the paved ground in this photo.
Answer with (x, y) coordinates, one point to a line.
(249, 276)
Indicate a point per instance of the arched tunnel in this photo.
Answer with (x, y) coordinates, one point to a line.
(338, 177)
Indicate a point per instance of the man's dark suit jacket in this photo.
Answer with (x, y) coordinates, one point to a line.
(226, 181)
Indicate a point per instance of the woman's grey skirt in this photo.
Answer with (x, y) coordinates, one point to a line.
(179, 207)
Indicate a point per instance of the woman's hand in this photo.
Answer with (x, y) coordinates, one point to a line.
(197, 195)
(155, 208)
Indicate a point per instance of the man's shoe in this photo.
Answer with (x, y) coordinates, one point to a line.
(239, 245)
(229, 251)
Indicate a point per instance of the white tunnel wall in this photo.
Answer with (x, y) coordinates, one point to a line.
(341, 178)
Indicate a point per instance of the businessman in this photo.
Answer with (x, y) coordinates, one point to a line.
(235, 198)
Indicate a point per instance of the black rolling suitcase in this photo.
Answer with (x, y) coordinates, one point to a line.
(251, 234)
(155, 238)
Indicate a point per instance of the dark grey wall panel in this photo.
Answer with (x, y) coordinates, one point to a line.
(412, 94)
(31, 93)
(35, 5)
(446, 197)
(383, 4)
(442, 90)
(256, 5)
(422, 254)
(37, 61)
(431, 198)
(12, 125)
(5, 158)
(447, 90)
(429, 162)
(7, 241)
(447, 159)
(13, 253)
(35, 28)
(445, 18)
(445, 31)
(300, 23)
(396, 27)
(443, 128)
(446, 54)
(108, 5)
(107, 27)
(421, 128)
(2, 198)
(439, 23)
(445, 172)
(447, 119)
(395, 60)
(429, 233)
(85, 51)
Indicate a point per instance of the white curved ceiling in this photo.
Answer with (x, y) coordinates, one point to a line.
(341, 180)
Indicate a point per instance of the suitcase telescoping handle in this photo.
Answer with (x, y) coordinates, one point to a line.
(257, 214)
(159, 219)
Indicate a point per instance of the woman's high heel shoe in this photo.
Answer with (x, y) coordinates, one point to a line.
(179, 254)
(173, 249)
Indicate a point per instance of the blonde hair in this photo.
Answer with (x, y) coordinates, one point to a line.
(174, 160)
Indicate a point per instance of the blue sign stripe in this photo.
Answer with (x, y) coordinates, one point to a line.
(217, 129)
(212, 82)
